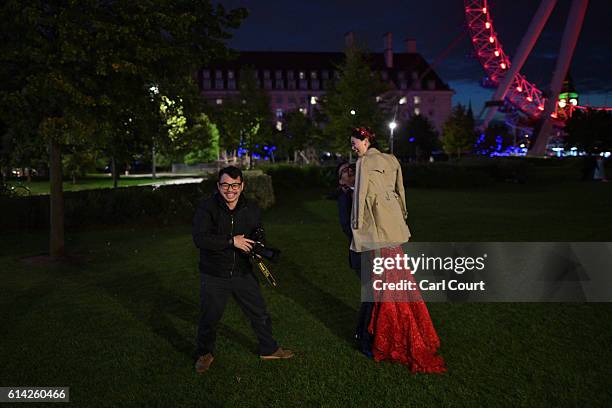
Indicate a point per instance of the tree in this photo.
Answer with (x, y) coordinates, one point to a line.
(589, 131)
(352, 101)
(74, 73)
(300, 134)
(458, 134)
(418, 139)
(245, 120)
(494, 140)
(204, 141)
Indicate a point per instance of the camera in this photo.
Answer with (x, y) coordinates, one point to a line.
(260, 249)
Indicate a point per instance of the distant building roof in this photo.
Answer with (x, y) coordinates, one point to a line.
(403, 64)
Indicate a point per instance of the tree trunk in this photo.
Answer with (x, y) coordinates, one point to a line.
(153, 164)
(56, 200)
(114, 171)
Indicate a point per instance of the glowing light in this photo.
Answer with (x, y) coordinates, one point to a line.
(541, 107)
(488, 25)
(353, 112)
(279, 126)
(491, 39)
(484, 10)
(553, 115)
(392, 125)
(530, 99)
(562, 103)
(313, 100)
(503, 65)
(519, 89)
(219, 101)
(574, 101)
(496, 53)
(522, 145)
(402, 100)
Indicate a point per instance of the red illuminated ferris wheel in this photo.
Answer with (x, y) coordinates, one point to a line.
(504, 74)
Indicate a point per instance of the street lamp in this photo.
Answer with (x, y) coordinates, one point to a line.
(353, 112)
(392, 126)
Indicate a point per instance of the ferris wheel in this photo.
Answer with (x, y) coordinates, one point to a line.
(503, 73)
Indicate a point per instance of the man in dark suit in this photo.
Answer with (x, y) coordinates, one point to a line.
(346, 182)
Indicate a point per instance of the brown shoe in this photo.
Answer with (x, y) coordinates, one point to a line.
(203, 363)
(278, 354)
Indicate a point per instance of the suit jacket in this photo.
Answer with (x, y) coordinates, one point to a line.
(378, 217)
(345, 202)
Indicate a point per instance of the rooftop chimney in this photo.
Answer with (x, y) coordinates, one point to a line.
(349, 39)
(388, 37)
(411, 45)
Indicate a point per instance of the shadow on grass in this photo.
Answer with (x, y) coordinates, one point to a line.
(150, 303)
(338, 317)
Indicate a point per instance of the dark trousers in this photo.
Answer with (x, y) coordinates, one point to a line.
(214, 293)
(362, 335)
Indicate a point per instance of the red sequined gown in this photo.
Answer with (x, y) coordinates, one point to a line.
(403, 331)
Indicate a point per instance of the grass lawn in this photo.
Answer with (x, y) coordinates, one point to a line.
(117, 324)
(90, 182)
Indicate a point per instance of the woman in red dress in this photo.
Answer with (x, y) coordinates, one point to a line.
(402, 328)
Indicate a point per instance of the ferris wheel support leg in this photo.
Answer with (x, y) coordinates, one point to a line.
(568, 44)
(524, 49)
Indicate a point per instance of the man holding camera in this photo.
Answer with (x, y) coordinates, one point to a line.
(220, 229)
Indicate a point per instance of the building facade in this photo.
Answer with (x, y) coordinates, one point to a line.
(297, 80)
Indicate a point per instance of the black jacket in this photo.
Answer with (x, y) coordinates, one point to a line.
(214, 225)
(345, 203)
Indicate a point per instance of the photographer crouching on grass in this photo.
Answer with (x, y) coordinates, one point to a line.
(220, 227)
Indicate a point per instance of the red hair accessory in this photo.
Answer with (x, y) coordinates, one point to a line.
(365, 133)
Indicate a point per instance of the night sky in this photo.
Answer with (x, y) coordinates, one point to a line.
(320, 25)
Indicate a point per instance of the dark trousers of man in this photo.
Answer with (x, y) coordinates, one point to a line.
(214, 293)
(362, 335)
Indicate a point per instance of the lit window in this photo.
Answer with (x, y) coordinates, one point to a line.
(402, 100)
(302, 75)
(279, 125)
(417, 111)
(279, 113)
(417, 99)
(313, 100)
(313, 74)
(230, 74)
(219, 101)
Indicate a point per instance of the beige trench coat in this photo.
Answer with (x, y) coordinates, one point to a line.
(378, 216)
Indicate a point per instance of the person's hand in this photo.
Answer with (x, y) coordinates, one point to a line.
(242, 243)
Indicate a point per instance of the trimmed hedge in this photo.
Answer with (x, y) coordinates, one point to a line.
(463, 174)
(163, 205)
(289, 176)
